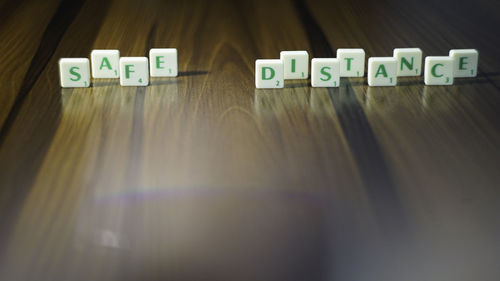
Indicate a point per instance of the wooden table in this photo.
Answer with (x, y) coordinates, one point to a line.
(204, 177)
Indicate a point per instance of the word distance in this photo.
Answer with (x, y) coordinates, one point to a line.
(382, 71)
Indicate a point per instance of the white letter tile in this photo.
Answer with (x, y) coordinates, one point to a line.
(325, 72)
(105, 63)
(74, 72)
(438, 71)
(352, 62)
(409, 61)
(269, 73)
(382, 71)
(295, 64)
(465, 62)
(134, 71)
(163, 62)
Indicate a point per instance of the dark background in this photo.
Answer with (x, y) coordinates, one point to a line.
(204, 177)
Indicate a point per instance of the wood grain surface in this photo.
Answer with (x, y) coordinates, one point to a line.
(204, 177)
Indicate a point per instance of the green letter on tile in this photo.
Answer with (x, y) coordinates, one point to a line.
(433, 70)
(462, 63)
(159, 62)
(327, 74)
(76, 74)
(407, 63)
(128, 70)
(271, 72)
(105, 63)
(293, 65)
(349, 63)
(381, 71)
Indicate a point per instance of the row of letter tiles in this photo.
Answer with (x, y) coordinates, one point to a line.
(105, 63)
(382, 71)
(132, 71)
(296, 63)
(438, 70)
(75, 72)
